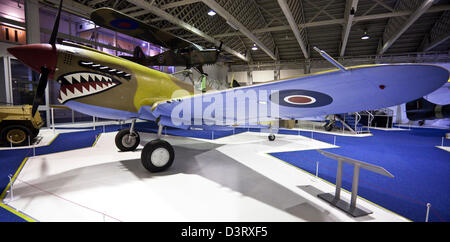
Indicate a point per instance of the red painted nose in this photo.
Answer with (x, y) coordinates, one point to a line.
(36, 56)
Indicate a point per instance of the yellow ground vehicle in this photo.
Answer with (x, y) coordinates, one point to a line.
(17, 124)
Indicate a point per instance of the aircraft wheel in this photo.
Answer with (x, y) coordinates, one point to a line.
(125, 142)
(271, 137)
(157, 155)
(17, 135)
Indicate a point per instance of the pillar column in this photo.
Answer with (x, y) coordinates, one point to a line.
(33, 29)
(32, 21)
(249, 78)
(307, 67)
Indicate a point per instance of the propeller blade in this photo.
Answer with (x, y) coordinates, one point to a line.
(56, 25)
(43, 79)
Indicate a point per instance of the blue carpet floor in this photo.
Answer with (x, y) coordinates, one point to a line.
(421, 170)
(7, 216)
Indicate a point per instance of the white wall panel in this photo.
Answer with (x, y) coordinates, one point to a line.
(240, 76)
(290, 73)
(262, 76)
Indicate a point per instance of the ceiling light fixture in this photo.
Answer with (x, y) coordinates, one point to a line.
(211, 13)
(254, 47)
(365, 36)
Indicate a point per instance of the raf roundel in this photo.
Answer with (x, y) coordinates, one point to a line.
(300, 98)
(124, 24)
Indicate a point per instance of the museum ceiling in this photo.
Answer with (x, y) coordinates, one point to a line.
(287, 30)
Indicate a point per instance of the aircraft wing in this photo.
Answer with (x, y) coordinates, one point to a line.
(117, 21)
(359, 88)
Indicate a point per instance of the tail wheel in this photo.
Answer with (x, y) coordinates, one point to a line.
(157, 155)
(16, 135)
(271, 137)
(126, 141)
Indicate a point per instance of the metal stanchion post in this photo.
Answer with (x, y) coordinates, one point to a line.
(53, 118)
(428, 212)
(11, 188)
(442, 143)
(10, 141)
(334, 140)
(93, 121)
(354, 186)
(317, 169)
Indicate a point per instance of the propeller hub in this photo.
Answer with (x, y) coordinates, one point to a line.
(36, 56)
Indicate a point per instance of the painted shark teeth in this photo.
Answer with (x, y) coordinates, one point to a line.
(80, 84)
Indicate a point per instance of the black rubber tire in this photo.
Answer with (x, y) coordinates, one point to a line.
(19, 127)
(123, 134)
(271, 137)
(148, 150)
(34, 133)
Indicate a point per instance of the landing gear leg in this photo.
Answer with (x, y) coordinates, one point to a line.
(158, 154)
(128, 139)
(160, 128)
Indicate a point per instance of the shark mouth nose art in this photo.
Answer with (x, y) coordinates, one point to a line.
(82, 84)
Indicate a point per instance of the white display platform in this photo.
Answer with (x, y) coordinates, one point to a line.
(446, 148)
(227, 179)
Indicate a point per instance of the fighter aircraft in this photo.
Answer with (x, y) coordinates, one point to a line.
(180, 52)
(107, 86)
